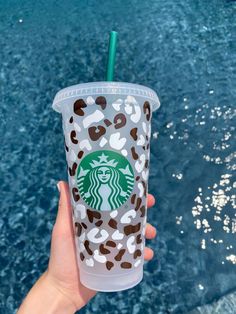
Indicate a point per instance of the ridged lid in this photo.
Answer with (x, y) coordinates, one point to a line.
(105, 88)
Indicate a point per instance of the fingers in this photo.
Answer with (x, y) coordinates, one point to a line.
(150, 231)
(150, 200)
(63, 221)
(148, 254)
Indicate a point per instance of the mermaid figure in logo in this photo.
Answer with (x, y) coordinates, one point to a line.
(105, 188)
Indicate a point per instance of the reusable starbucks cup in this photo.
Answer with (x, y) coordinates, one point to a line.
(107, 129)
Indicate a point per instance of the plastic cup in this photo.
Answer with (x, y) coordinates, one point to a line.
(107, 129)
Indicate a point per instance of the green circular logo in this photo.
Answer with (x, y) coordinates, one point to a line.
(105, 180)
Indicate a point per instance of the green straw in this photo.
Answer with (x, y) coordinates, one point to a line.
(111, 56)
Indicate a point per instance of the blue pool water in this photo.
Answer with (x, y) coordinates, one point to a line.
(183, 50)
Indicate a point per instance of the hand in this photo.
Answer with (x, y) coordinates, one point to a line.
(62, 275)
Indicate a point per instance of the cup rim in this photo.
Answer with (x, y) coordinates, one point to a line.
(103, 87)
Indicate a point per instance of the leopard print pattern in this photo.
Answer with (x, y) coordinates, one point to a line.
(114, 239)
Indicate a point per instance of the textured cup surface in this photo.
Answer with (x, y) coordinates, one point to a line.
(107, 143)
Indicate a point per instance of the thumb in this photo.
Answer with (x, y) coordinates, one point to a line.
(64, 220)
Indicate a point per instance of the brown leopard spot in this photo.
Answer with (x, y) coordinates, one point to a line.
(133, 133)
(86, 245)
(75, 194)
(71, 119)
(143, 211)
(95, 132)
(126, 265)
(144, 187)
(146, 137)
(139, 239)
(111, 243)
(134, 154)
(138, 203)
(137, 253)
(66, 147)
(84, 225)
(78, 229)
(109, 265)
(78, 105)
(132, 229)
(119, 256)
(112, 223)
(80, 154)
(148, 145)
(101, 101)
(147, 110)
(73, 137)
(133, 198)
(104, 250)
(93, 214)
(146, 163)
(137, 178)
(107, 122)
(143, 147)
(73, 169)
(81, 256)
(119, 120)
(98, 223)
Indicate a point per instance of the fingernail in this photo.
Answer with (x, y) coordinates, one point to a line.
(58, 187)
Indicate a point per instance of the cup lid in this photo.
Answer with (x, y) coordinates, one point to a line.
(97, 88)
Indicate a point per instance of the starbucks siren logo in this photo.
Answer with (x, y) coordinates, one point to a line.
(105, 180)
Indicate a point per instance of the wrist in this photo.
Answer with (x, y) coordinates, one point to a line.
(63, 301)
(46, 298)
